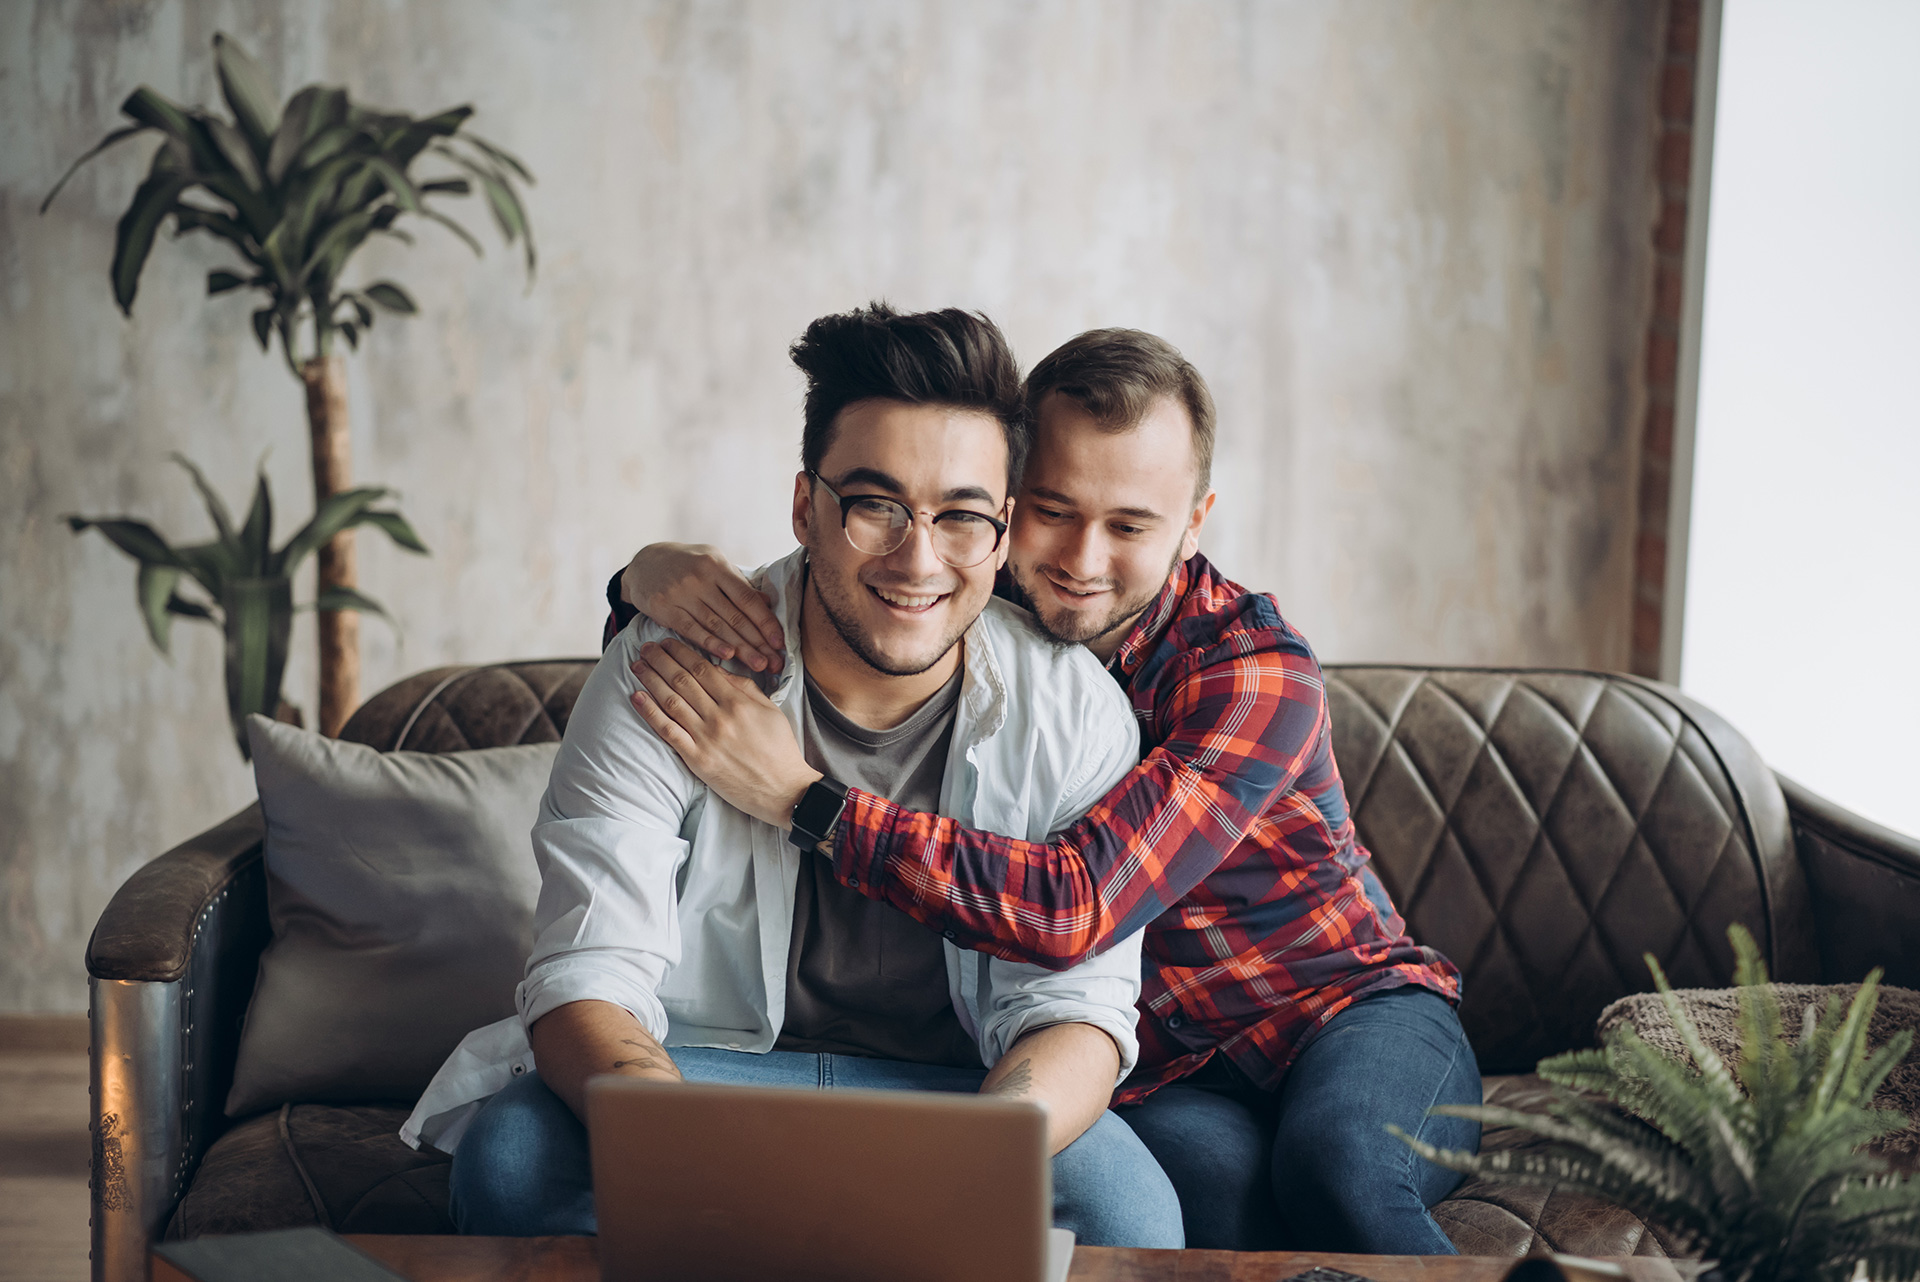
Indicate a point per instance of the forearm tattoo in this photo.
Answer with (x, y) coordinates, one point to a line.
(1018, 1081)
(647, 1059)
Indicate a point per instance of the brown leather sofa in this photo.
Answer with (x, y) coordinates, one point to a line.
(1543, 828)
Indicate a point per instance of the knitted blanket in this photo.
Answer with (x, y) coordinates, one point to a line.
(1716, 1012)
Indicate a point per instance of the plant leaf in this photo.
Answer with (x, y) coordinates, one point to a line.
(501, 156)
(119, 135)
(397, 529)
(391, 297)
(133, 238)
(447, 187)
(309, 113)
(258, 624)
(216, 507)
(404, 192)
(219, 282)
(136, 538)
(234, 149)
(510, 217)
(340, 240)
(263, 326)
(456, 229)
(154, 588)
(248, 93)
(256, 536)
(188, 218)
(338, 598)
(333, 514)
(505, 206)
(160, 112)
(212, 565)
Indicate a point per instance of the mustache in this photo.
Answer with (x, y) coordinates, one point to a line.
(1065, 580)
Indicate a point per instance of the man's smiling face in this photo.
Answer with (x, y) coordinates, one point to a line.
(901, 613)
(1103, 517)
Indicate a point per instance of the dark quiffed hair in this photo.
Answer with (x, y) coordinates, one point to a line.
(952, 358)
(1115, 375)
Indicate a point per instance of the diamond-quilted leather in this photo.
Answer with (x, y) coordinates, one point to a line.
(456, 708)
(1546, 830)
(1483, 1218)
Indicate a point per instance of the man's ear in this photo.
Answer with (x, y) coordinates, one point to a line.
(802, 507)
(1190, 541)
(1006, 540)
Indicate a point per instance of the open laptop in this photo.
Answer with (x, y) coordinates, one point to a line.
(700, 1183)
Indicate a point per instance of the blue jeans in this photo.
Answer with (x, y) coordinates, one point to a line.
(1311, 1166)
(522, 1169)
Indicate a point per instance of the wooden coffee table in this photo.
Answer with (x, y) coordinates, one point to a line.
(573, 1259)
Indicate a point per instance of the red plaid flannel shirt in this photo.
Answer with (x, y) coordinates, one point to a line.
(1230, 843)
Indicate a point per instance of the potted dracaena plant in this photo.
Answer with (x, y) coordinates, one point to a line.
(296, 191)
(248, 584)
(1759, 1167)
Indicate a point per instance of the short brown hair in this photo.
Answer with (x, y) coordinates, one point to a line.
(1115, 375)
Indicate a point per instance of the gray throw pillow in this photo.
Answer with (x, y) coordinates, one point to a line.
(400, 888)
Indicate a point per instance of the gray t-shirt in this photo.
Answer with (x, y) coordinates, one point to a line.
(863, 978)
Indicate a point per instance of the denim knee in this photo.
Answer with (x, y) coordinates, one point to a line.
(1109, 1190)
(522, 1169)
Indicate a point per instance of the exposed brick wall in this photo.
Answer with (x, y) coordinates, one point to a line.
(1673, 159)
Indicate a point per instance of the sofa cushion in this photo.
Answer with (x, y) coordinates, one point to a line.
(400, 890)
(342, 1167)
(1482, 1217)
(1716, 1013)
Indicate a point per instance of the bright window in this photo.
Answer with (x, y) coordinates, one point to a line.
(1802, 622)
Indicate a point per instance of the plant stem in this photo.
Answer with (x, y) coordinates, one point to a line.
(326, 383)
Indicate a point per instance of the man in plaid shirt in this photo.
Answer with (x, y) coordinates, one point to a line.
(1286, 1016)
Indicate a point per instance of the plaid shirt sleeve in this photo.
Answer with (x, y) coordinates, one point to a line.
(1234, 732)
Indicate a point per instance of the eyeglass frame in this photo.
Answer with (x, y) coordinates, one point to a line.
(840, 500)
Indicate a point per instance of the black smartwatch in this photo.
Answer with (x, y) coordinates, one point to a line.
(819, 810)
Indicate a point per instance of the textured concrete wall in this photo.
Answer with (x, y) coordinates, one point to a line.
(1406, 241)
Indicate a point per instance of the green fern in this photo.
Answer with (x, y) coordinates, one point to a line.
(1760, 1165)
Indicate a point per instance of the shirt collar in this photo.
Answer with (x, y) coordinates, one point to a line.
(1153, 622)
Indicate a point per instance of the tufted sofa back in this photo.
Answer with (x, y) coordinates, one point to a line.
(1543, 829)
(1546, 830)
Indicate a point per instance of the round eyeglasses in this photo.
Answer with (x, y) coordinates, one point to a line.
(878, 526)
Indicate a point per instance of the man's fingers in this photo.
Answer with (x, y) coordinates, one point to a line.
(672, 685)
(666, 727)
(716, 681)
(722, 620)
(688, 625)
(757, 613)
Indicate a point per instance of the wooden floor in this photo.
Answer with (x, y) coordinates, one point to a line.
(43, 1166)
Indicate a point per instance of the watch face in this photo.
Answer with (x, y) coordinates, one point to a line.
(819, 809)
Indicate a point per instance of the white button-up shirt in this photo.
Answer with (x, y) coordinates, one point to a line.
(659, 897)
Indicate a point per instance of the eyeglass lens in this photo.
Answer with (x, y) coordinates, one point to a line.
(878, 526)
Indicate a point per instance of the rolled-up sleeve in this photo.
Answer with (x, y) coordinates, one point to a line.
(1101, 990)
(609, 844)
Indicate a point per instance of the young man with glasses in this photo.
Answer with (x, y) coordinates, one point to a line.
(678, 938)
(1287, 1017)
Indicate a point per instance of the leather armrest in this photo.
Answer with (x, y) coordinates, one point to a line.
(148, 929)
(1865, 882)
